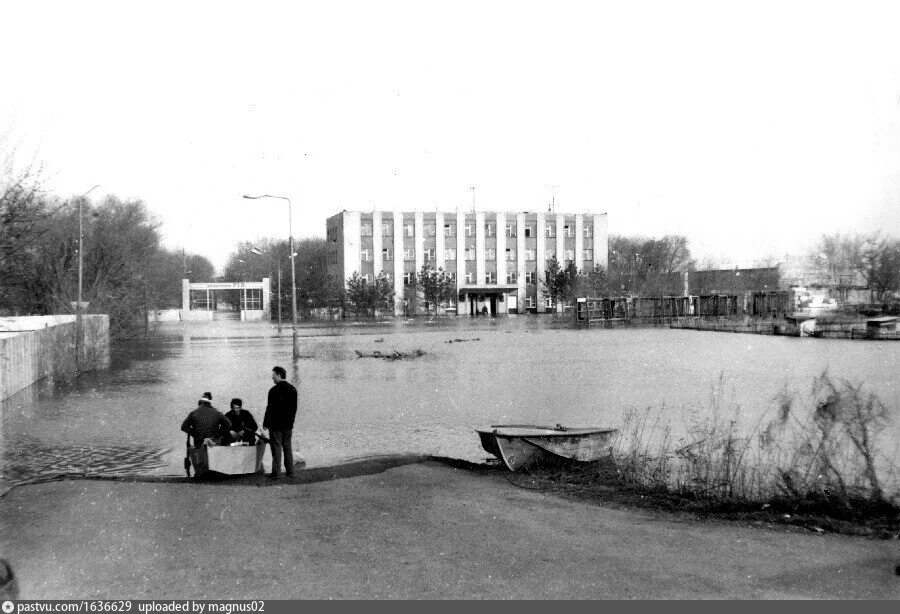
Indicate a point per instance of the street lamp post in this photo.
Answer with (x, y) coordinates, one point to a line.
(296, 347)
(80, 276)
(258, 252)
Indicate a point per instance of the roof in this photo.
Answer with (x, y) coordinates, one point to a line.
(488, 288)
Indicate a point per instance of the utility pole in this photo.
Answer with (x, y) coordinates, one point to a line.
(294, 343)
(279, 296)
(146, 308)
(78, 342)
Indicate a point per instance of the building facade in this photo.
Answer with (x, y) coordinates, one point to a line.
(496, 258)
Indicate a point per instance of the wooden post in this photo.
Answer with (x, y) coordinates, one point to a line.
(146, 308)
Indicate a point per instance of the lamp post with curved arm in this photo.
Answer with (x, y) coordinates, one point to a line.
(296, 348)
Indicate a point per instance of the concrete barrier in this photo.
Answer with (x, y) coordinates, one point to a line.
(165, 315)
(35, 347)
(251, 315)
(197, 315)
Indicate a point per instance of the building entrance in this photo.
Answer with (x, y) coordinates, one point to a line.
(487, 299)
(244, 300)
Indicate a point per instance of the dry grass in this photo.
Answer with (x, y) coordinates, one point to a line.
(821, 452)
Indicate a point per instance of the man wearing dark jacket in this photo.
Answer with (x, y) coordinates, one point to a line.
(206, 423)
(279, 419)
(243, 428)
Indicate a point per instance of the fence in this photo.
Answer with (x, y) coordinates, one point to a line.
(772, 303)
(589, 310)
(593, 309)
(773, 327)
(756, 327)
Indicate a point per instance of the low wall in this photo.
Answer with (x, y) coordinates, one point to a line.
(165, 315)
(35, 347)
(248, 315)
(28, 323)
(197, 315)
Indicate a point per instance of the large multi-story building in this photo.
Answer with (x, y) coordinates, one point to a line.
(496, 258)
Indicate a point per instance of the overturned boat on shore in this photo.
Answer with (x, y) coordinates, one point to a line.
(521, 445)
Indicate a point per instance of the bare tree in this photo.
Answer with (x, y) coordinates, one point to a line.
(879, 265)
(313, 287)
(121, 239)
(592, 283)
(23, 209)
(845, 261)
(167, 269)
(642, 264)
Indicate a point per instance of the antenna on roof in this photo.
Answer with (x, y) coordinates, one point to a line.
(473, 198)
(552, 207)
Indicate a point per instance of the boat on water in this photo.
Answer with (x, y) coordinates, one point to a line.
(227, 460)
(520, 445)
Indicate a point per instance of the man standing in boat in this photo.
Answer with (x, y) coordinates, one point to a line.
(206, 424)
(281, 410)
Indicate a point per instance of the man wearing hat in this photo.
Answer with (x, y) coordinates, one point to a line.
(206, 424)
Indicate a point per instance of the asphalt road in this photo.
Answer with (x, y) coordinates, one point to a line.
(394, 530)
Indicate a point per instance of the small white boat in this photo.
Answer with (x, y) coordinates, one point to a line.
(227, 460)
(518, 445)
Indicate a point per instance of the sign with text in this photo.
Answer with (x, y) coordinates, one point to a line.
(238, 285)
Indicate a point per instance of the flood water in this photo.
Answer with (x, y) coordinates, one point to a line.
(526, 369)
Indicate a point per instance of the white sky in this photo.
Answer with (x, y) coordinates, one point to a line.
(750, 128)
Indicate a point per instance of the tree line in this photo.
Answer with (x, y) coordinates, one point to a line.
(266, 257)
(869, 260)
(125, 269)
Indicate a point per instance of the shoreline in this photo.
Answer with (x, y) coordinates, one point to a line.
(406, 527)
(566, 483)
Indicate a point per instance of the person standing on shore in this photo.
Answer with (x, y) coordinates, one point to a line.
(281, 410)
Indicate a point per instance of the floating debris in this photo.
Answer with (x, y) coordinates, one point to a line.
(462, 340)
(395, 355)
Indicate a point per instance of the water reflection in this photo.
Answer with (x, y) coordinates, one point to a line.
(525, 369)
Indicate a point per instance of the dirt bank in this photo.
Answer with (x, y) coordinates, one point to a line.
(404, 528)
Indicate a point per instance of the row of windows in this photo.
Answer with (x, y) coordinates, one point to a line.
(490, 254)
(409, 279)
(548, 302)
(490, 230)
(490, 277)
